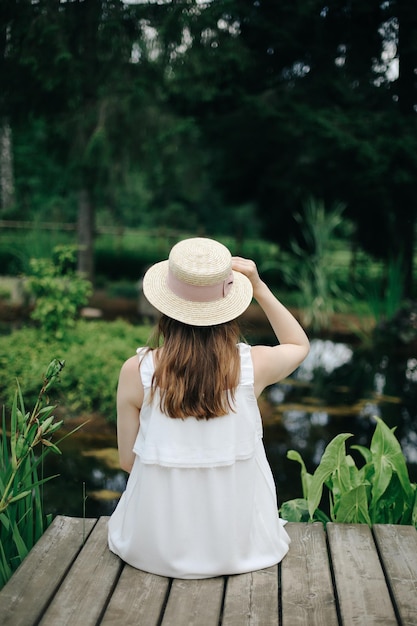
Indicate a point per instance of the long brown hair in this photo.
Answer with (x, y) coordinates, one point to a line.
(197, 368)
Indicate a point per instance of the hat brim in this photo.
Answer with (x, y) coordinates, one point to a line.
(157, 292)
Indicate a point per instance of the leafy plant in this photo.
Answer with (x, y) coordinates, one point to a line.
(311, 268)
(385, 296)
(59, 291)
(22, 520)
(378, 492)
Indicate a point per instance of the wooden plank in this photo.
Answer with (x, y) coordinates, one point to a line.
(306, 582)
(361, 587)
(25, 596)
(398, 549)
(139, 598)
(252, 599)
(194, 602)
(86, 589)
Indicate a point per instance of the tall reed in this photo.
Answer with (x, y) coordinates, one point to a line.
(25, 441)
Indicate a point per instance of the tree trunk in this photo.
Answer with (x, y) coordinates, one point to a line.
(6, 166)
(85, 230)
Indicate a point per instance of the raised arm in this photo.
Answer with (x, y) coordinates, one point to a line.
(272, 364)
(129, 402)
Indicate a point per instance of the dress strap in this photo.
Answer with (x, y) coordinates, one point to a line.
(246, 365)
(146, 366)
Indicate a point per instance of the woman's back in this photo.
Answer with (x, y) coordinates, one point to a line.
(200, 500)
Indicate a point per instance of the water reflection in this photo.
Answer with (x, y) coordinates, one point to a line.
(87, 483)
(324, 356)
(337, 389)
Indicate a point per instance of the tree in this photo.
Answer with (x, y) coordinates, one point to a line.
(6, 167)
(312, 107)
(181, 112)
(74, 62)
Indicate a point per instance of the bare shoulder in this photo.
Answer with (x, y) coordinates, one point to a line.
(130, 366)
(130, 373)
(130, 387)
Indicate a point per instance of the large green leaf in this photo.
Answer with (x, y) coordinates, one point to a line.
(333, 462)
(387, 457)
(295, 510)
(353, 507)
(357, 479)
(414, 511)
(365, 452)
(293, 455)
(394, 507)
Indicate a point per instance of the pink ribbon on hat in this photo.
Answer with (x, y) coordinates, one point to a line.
(199, 293)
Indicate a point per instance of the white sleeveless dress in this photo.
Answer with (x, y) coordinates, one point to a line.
(200, 500)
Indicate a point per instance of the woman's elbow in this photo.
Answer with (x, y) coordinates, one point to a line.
(303, 351)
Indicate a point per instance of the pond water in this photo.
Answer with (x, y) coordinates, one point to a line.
(337, 389)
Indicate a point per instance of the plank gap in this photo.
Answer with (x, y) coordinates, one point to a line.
(333, 577)
(279, 592)
(387, 579)
(165, 602)
(225, 580)
(109, 596)
(363, 594)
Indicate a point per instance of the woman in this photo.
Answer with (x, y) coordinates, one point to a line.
(200, 500)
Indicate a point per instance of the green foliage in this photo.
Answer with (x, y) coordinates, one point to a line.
(128, 254)
(378, 492)
(58, 290)
(311, 268)
(94, 352)
(25, 441)
(194, 111)
(384, 296)
(18, 247)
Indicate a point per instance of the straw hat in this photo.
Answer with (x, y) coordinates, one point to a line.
(197, 285)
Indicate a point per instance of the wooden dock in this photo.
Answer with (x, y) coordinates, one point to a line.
(346, 574)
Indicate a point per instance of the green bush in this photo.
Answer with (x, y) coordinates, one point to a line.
(378, 492)
(93, 353)
(59, 291)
